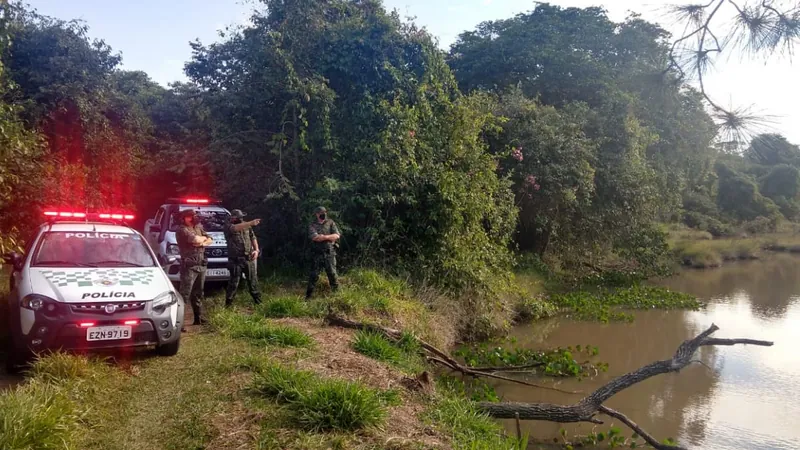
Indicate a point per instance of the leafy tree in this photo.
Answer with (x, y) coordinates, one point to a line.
(771, 149)
(740, 197)
(342, 104)
(20, 153)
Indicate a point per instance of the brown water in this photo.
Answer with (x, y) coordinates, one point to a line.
(748, 397)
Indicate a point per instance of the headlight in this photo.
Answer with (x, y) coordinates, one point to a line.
(173, 250)
(34, 302)
(164, 300)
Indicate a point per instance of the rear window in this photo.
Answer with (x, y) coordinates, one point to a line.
(92, 249)
(211, 220)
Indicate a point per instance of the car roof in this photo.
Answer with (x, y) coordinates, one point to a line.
(89, 227)
(184, 206)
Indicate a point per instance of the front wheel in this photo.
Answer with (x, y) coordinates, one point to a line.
(170, 349)
(16, 361)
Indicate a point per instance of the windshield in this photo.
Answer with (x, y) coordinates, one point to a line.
(92, 249)
(211, 220)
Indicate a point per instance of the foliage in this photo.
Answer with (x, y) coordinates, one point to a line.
(459, 417)
(613, 438)
(740, 197)
(559, 362)
(597, 136)
(256, 329)
(386, 149)
(604, 304)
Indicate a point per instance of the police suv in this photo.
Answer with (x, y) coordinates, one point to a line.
(88, 282)
(160, 232)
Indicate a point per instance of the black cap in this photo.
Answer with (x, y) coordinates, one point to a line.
(188, 213)
(237, 214)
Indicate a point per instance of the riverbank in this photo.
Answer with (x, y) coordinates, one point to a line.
(274, 377)
(700, 250)
(234, 384)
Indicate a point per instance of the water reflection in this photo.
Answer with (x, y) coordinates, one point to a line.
(741, 398)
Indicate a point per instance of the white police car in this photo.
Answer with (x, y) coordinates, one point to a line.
(90, 282)
(160, 231)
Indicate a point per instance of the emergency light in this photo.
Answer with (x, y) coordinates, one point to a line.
(53, 215)
(193, 201)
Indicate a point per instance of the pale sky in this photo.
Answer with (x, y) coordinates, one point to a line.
(154, 36)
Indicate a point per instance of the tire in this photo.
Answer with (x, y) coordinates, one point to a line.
(17, 362)
(169, 349)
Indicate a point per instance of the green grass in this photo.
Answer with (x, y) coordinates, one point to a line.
(284, 306)
(376, 346)
(38, 416)
(257, 330)
(338, 405)
(64, 367)
(459, 418)
(281, 383)
(322, 405)
(403, 354)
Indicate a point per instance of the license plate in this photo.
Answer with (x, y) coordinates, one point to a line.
(217, 273)
(108, 333)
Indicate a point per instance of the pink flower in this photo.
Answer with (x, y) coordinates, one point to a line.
(530, 180)
(412, 133)
(517, 154)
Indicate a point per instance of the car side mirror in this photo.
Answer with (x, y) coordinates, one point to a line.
(14, 259)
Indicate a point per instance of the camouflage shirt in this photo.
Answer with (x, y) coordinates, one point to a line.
(190, 255)
(326, 227)
(240, 243)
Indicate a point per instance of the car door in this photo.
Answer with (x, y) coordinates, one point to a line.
(154, 229)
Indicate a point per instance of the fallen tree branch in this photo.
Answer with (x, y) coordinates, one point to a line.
(439, 357)
(632, 425)
(587, 408)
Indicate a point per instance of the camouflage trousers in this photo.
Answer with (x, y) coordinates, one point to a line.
(320, 261)
(193, 280)
(237, 267)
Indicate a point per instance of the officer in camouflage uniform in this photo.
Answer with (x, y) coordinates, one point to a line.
(323, 233)
(192, 241)
(242, 254)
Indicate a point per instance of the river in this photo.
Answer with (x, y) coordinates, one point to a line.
(747, 397)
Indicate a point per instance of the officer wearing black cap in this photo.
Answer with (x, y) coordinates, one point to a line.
(242, 254)
(192, 240)
(323, 233)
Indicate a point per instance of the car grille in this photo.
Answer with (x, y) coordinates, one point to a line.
(216, 252)
(93, 308)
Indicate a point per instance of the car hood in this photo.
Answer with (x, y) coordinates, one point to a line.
(90, 285)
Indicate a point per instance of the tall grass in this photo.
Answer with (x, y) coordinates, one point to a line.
(338, 405)
(284, 306)
(281, 383)
(318, 404)
(38, 415)
(404, 354)
(469, 429)
(255, 329)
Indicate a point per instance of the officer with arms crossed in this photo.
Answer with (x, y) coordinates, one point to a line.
(242, 254)
(323, 233)
(192, 240)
